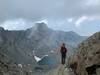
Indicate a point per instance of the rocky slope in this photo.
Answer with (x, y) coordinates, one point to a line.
(86, 60)
(61, 70)
(8, 67)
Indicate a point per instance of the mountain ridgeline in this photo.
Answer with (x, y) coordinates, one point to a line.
(18, 45)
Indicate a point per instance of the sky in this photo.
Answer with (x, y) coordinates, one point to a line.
(81, 16)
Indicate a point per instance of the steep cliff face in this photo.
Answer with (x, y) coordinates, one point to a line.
(86, 60)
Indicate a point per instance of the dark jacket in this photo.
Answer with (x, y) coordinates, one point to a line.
(63, 50)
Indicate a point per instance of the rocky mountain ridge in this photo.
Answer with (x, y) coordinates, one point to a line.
(86, 60)
(19, 44)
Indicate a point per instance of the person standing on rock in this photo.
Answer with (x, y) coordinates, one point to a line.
(63, 51)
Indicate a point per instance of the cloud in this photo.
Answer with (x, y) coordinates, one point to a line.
(92, 3)
(44, 20)
(70, 20)
(80, 20)
(37, 9)
(59, 14)
(17, 24)
(83, 19)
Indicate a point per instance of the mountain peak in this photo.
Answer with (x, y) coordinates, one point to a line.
(1, 29)
(40, 26)
(38, 29)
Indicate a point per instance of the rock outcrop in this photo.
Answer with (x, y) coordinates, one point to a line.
(8, 67)
(61, 70)
(86, 60)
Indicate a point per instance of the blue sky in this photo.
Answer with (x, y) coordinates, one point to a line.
(81, 16)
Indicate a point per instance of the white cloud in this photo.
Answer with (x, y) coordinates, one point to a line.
(70, 20)
(38, 9)
(44, 20)
(92, 2)
(80, 20)
(16, 24)
(83, 19)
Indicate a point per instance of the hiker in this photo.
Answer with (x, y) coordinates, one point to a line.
(63, 51)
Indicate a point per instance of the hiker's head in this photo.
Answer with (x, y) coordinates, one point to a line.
(63, 44)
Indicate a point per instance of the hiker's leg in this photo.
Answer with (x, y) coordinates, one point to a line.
(65, 59)
(62, 59)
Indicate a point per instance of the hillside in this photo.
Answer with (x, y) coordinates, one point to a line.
(86, 60)
(61, 70)
(18, 45)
